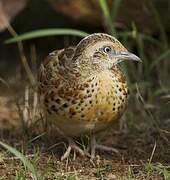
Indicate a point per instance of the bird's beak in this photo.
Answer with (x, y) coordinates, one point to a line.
(121, 56)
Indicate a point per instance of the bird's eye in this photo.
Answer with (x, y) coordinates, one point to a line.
(107, 49)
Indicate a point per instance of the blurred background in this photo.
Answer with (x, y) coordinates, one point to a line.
(142, 26)
(31, 29)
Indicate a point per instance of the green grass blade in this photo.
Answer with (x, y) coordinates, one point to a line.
(115, 9)
(159, 24)
(163, 56)
(45, 33)
(107, 16)
(130, 34)
(24, 160)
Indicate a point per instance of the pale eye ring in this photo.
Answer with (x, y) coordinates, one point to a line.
(107, 49)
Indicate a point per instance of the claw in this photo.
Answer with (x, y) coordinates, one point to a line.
(95, 145)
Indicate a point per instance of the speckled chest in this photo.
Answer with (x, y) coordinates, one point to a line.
(101, 98)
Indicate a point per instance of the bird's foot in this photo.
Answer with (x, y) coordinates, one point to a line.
(72, 146)
(95, 145)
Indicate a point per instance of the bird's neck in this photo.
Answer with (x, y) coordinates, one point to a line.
(83, 73)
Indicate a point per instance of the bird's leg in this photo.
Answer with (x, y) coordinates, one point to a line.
(72, 146)
(94, 145)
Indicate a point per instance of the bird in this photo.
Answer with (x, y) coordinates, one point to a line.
(83, 89)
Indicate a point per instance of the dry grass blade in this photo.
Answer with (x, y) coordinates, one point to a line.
(153, 151)
(23, 57)
(4, 82)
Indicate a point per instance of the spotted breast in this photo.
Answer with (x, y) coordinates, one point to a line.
(80, 105)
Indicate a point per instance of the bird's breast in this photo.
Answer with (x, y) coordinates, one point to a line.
(90, 107)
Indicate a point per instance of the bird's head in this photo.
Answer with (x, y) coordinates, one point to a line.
(101, 51)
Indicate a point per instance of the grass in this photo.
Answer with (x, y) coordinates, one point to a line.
(45, 33)
(143, 137)
(27, 164)
(42, 165)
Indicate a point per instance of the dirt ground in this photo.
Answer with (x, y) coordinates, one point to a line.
(144, 154)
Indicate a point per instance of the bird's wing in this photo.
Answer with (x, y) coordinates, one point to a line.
(53, 69)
